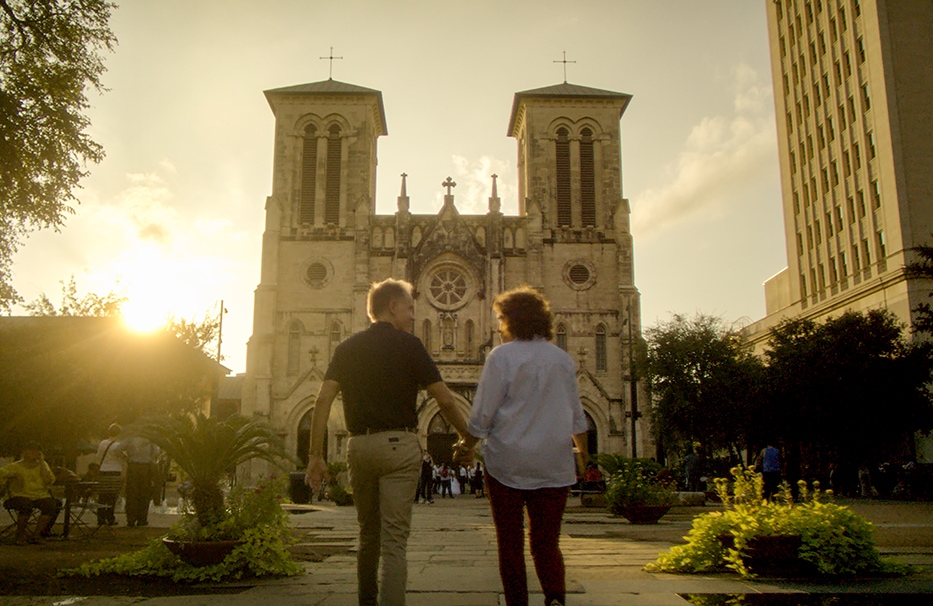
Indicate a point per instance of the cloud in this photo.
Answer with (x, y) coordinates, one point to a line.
(474, 185)
(721, 159)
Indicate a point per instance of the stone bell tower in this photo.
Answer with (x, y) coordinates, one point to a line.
(315, 252)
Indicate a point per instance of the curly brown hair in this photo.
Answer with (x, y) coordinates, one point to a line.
(524, 313)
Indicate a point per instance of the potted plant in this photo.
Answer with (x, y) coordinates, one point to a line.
(208, 450)
(636, 489)
(752, 536)
(244, 534)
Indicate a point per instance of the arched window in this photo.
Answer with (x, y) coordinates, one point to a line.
(563, 178)
(587, 179)
(468, 341)
(561, 334)
(294, 348)
(332, 194)
(308, 175)
(426, 334)
(601, 348)
(335, 334)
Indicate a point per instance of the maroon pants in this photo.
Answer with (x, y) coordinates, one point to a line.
(545, 510)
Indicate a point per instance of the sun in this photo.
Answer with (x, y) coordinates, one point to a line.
(141, 316)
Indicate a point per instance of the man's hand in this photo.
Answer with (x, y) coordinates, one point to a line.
(317, 471)
(464, 450)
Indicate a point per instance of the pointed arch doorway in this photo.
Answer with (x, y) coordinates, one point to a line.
(441, 438)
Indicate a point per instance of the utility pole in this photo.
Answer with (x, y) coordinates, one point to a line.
(220, 329)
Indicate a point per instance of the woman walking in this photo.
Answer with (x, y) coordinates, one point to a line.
(528, 410)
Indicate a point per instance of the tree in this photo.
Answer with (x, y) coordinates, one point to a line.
(703, 380)
(851, 389)
(109, 305)
(207, 449)
(50, 54)
(199, 334)
(922, 268)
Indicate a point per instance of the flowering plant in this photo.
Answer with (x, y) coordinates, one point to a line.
(635, 482)
(833, 539)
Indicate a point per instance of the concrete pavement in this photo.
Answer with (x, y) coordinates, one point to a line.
(452, 561)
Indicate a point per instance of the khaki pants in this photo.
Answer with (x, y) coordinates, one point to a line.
(384, 470)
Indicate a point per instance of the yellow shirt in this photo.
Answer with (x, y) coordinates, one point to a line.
(27, 482)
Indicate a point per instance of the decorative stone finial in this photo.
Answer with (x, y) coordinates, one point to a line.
(494, 203)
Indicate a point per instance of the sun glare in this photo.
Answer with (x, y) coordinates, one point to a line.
(139, 316)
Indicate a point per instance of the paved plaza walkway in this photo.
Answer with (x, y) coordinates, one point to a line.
(452, 561)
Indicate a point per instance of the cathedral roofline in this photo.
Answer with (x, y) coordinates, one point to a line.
(328, 87)
(565, 89)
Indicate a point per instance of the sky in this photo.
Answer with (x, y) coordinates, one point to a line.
(174, 214)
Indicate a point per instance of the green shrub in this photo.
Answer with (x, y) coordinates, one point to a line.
(634, 482)
(254, 517)
(835, 540)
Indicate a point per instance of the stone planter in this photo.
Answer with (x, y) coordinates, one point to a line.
(643, 514)
(200, 553)
(773, 555)
(770, 555)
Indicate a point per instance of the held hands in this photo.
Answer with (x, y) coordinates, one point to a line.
(317, 471)
(464, 451)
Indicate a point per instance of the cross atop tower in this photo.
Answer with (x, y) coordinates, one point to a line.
(565, 62)
(449, 184)
(331, 57)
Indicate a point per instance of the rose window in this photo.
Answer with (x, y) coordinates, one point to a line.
(448, 286)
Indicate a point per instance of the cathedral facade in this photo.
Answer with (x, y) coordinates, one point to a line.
(324, 245)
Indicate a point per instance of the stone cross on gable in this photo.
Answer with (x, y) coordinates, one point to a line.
(449, 184)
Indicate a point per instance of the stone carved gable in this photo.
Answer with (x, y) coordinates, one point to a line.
(449, 233)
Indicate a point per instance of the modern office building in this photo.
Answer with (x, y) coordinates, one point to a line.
(853, 84)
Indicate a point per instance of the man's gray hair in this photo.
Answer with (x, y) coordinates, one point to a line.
(381, 295)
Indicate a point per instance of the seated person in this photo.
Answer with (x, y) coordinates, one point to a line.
(593, 479)
(28, 481)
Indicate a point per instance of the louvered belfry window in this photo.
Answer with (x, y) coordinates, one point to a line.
(563, 178)
(308, 175)
(587, 179)
(332, 195)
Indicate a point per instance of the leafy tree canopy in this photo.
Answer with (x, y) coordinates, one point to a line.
(922, 267)
(50, 54)
(91, 304)
(703, 379)
(851, 387)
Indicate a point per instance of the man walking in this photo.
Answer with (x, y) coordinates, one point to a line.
(380, 371)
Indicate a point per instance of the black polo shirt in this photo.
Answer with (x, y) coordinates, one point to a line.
(380, 371)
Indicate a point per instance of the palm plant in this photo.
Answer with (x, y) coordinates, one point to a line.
(207, 449)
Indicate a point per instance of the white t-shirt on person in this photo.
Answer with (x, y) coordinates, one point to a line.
(527, 408)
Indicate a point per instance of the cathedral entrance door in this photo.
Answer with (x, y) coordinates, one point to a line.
(440, 447)
(441, 439)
